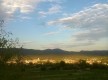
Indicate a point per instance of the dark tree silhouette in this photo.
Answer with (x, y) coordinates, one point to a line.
(8, 45)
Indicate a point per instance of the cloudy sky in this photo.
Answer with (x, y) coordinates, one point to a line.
(72, 25)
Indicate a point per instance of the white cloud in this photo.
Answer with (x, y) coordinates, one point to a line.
(52, 10)
(92, 22)
(25, 43)
(54, 1)
(25, 17)
(89, 15)
(52, 33)
(91, 35)
(9, 7)
(24, 6)
(67, 45)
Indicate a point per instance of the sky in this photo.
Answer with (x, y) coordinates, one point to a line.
(71, 25)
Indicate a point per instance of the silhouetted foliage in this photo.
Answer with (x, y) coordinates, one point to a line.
(62, 63)
(99, 66)
(8, 45)
(83, 64)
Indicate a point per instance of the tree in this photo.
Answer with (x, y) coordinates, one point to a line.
(7, 45)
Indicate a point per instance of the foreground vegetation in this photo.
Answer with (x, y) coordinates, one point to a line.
(57, 71)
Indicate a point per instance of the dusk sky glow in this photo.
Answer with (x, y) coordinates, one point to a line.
(72, 25)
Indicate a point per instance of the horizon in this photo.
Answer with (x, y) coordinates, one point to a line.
(66, 50)
(70, 25)
(61, 49)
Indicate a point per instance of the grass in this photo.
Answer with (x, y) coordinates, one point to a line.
(32, 74)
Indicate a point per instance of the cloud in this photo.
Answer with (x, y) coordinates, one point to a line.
(52, 10)
(3, 14)
(91, 35)
(67, 45)
(82, 18)
(24, 6)
(92, 22)
(52, 33)
(24, 43)
(9, 7)
(25, 17)
(54, 1)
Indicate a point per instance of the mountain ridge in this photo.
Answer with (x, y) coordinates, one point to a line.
(58, 51)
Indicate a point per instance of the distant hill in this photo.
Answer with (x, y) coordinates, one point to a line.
(62, 52)
(95, 52)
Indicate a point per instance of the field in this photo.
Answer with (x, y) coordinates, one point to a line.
(34, 74)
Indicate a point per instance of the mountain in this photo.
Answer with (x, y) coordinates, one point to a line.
(61, 52)
(55, 51)
(96, 52)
